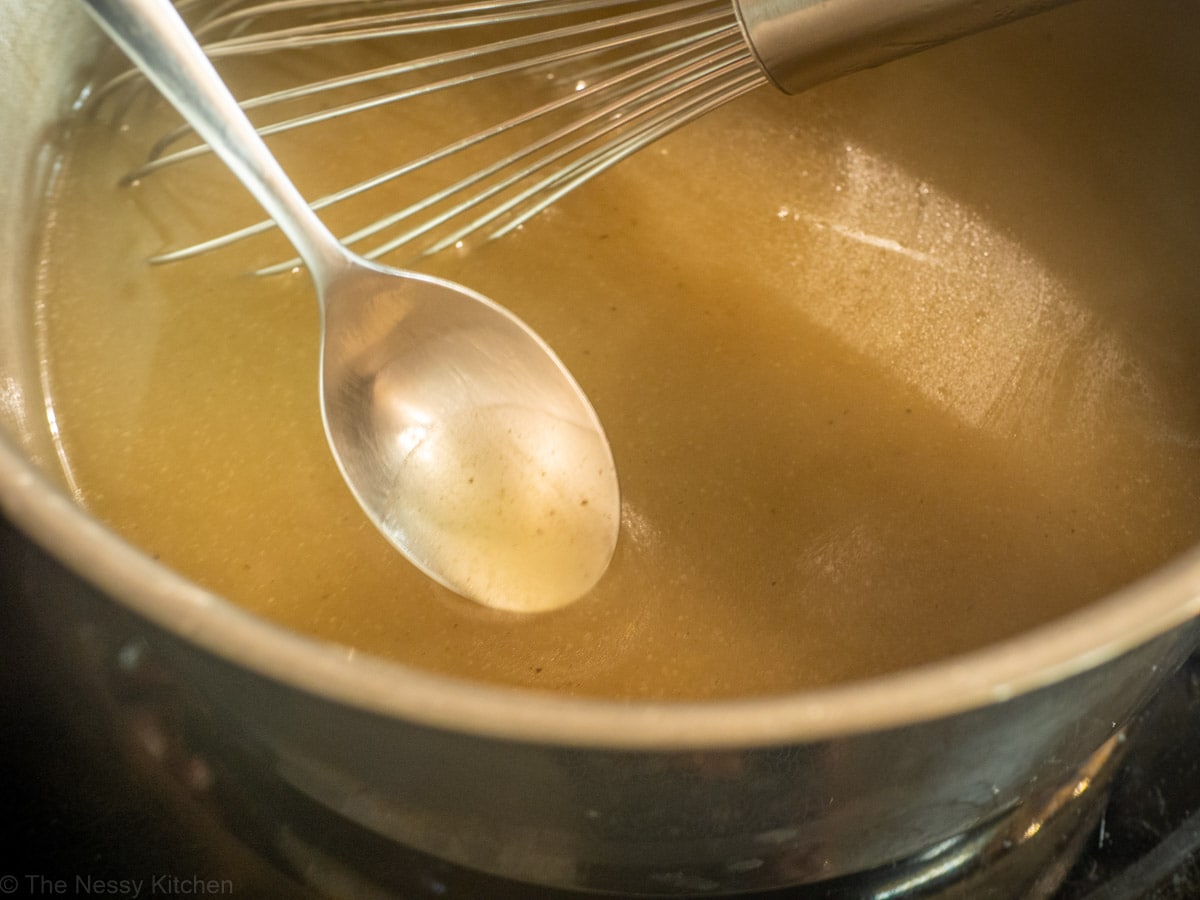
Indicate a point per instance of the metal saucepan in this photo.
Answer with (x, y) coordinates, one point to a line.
(622, 797)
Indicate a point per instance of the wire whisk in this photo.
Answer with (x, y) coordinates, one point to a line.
(620, 75)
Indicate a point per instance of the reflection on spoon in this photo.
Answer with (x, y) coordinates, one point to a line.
(511, 504)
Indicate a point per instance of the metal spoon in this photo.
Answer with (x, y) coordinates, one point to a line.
(462, 436)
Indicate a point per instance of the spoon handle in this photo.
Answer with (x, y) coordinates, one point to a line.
(160, 43)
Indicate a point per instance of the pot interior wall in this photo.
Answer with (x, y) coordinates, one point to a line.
(42, 66)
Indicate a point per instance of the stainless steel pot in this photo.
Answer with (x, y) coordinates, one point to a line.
(622, 797)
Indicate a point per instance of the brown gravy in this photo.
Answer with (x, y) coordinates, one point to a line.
(891, 371)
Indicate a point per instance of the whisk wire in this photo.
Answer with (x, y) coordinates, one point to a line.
(413, 22)
(652, 97)
(638, 83)
(158, 157)
(422, 21)
(607, 157)
(630, 75)
(568, 178)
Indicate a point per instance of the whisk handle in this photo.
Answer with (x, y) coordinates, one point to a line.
(802, 43)
(154, 36)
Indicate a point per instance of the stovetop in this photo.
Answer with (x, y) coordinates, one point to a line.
(83, 822)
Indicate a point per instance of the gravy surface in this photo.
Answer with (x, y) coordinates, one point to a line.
(891, 370)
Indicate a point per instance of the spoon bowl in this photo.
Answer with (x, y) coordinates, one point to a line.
(466, 440)
(463, 437)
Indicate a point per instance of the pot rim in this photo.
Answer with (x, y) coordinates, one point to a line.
(1075, 643)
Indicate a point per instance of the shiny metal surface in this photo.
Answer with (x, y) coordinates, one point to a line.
(651, 798)
(423, 382)
(802, 43)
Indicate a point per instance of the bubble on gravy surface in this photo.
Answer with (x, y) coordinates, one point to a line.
(891, 371)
